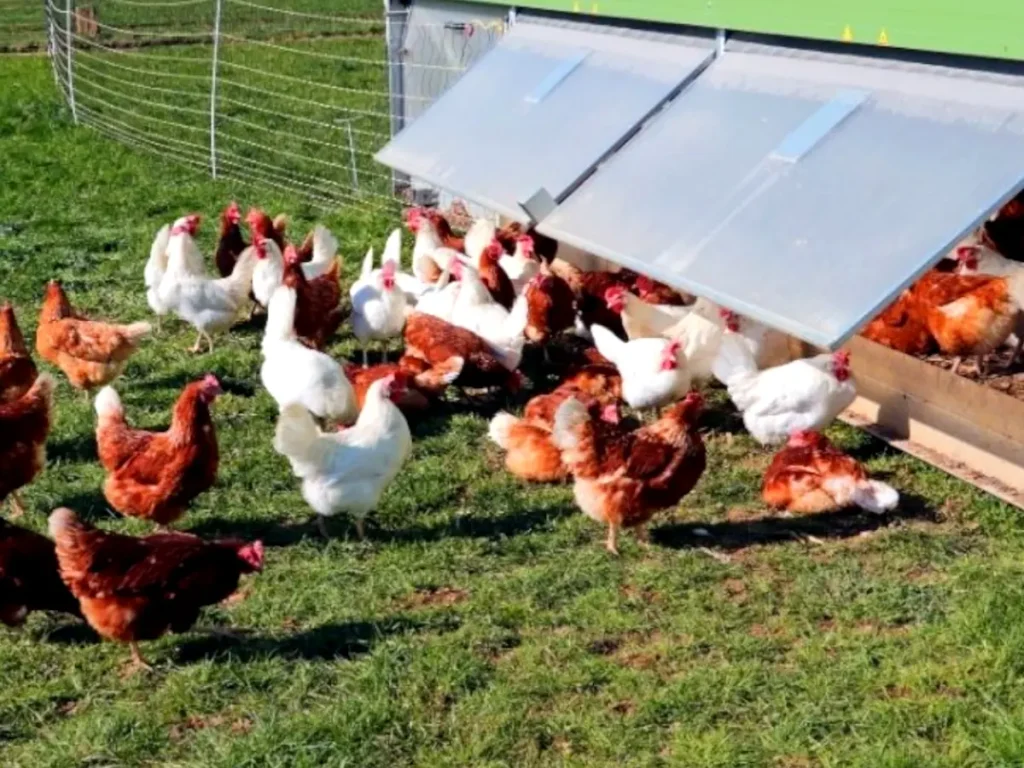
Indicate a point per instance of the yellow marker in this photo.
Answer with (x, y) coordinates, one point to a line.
(576, 6)
(883, 38)
(847, 34)
(593, 8)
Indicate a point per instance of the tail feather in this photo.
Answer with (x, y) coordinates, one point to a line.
(568, 418)
(875, 496)
(136, 331)
(607, 343)
(108, 404)
(325, 244)
(297, 438)
(367, 270)
(500, 428)
(157, 264)
(734, 360)
(393, 247)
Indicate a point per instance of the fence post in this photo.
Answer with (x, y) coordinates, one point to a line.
(213, 90)
(69, 53)
(396, 21)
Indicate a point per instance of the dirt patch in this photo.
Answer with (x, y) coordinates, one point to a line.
(744, 515)
(735, 590)
(432, 597)
(896, 691)
(794, 761)
(640, 594)
(604, 646)
(238, 596)
(239, 726)
(624, 707)
(827, 625)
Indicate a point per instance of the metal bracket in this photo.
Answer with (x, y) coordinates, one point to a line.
(539, 206)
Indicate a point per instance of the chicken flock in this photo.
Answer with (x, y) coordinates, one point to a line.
(465, 311)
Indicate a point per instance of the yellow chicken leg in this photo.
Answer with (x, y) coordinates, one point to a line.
(196, 348)
(17, 509)
(361, 528)
(138, 662)
(611, 542)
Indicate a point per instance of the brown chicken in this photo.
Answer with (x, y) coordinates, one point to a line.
(494, 278)
(423, 383)
(443, 227)
(551, 306)
(902, 326)
(262, 225)
(17, 371)
(317, 311)
(155, 475)
(589, 289)
(29, 578)
(436, 342)
(970, 314)
(622, 479)
(653, 292)
(90, 353)
(531, 454)
(1005, 232)
(230, 243)
(24, 425)
(133, 589)
(810, 475)
(593, 386)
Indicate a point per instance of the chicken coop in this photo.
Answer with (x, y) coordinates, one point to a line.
(799, 163)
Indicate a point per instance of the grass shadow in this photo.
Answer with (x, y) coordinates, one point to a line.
(770, 529)
(90, 506)
(515, 524)
(343, 640)
(78, 633)
(77, 449)
(271, 532)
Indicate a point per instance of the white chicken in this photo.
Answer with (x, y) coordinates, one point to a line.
(480, 234)
(156, 265)
(295, 374)
(769, 347)
(439, 299)
(775, 403)
(347, 471)
(640, 319)
(378, 305)
(654, 371)
(268, 273)
(210, 306)
(475, 310)
(522, 265)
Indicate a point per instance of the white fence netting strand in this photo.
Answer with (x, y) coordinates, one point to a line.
(296, 97)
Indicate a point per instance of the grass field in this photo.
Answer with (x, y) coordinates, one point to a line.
(482, 624)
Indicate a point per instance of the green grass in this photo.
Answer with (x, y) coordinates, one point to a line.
(482, 624)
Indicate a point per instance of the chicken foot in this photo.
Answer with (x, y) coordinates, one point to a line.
(138, 662)
(197, 348)
(361, 528)
(611, 542)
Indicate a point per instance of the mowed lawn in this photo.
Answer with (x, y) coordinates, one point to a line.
(482, 623)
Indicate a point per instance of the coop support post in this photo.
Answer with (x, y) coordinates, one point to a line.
(352, 155)
(213, 89)
(69, 54)
(396, 21)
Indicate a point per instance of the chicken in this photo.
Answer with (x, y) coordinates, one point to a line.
(971, 314)
(29, 578)
(594, 386)
(435, 243)
(156, 266)
(210, 306)
(530, 452)
(90, 353)
(348, 471)
(269, 269)
(17, 370)
(522, 265)
(803, 394)
(550, 307)
(424, 382)
(155, 475)
(270, 229)
(476, 311)
(378, 306)
(653, 292)
(654, 372)
(436, 342)
(811, 475)
(493, 276)
(980, 259)
(640, 319)
(901, 326)
(622, 479)
(590, 289)
(230, 243)
(132, 589)
(438, 299)
(768, 346)
(24, 425)
(295, 374)
(1005, 230)
(317, 311)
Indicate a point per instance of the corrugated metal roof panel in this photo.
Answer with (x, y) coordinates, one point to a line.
(804, 192)
(539, 110)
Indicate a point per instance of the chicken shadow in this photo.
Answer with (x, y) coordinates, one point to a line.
(770, 529)
(90, 506)
(344, 640)
(271, 532)
(494, 528)
(74, 450)
(178, 380)
(71, 633)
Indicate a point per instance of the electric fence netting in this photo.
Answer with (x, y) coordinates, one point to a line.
(298, 96)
